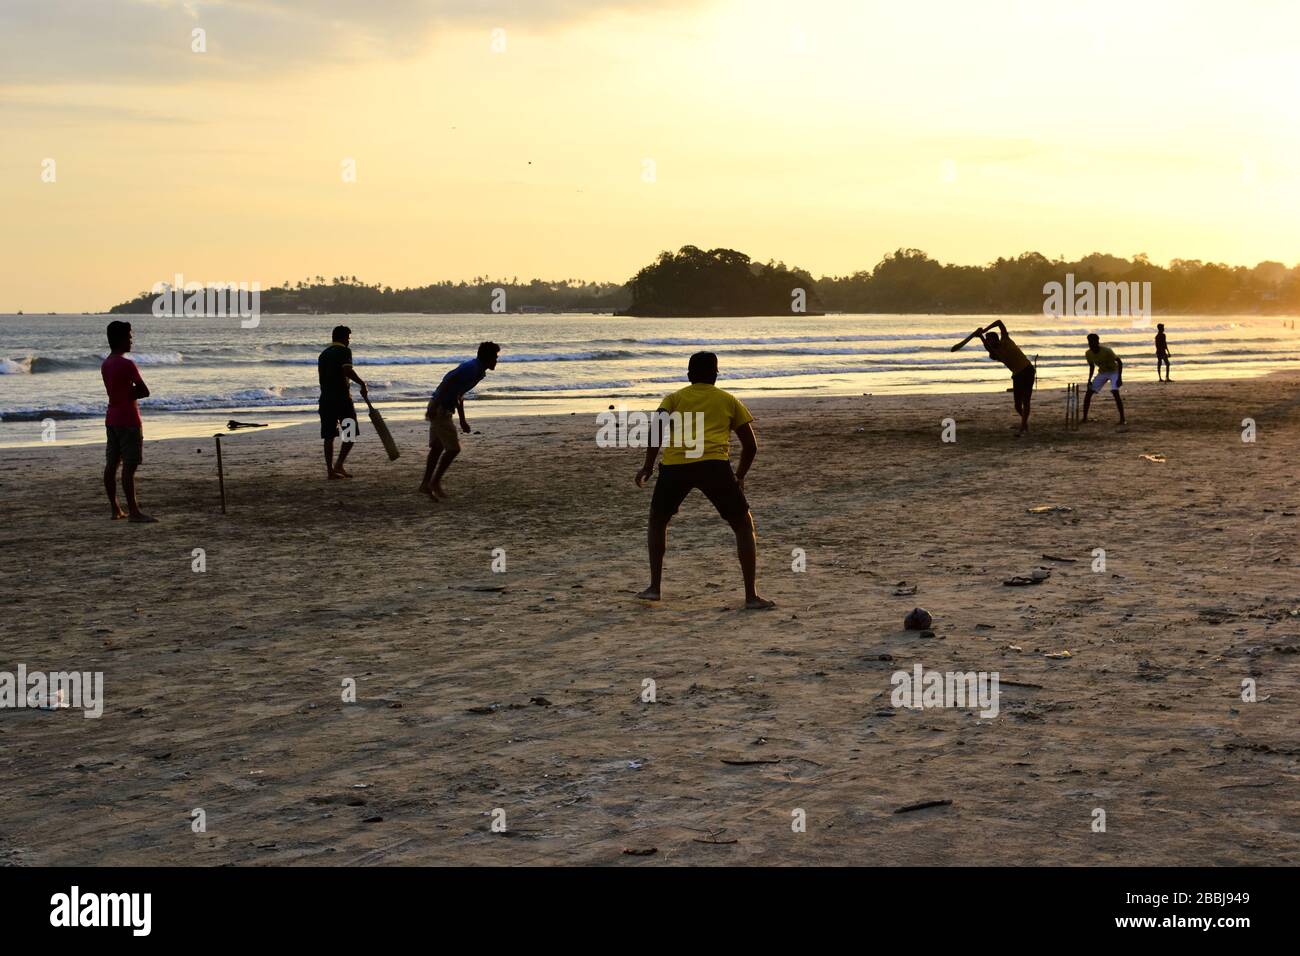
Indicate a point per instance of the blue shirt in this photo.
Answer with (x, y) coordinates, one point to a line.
(457, 382)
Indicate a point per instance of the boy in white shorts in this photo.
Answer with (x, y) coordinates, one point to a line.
(1109, 369)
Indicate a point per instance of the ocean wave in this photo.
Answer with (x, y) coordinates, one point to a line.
(889, 336)
(60, 412)
(264, 397)
(794, 339)
(904, 365)
(506, 356)
(153, 358)
(563, 387)
(35, 364)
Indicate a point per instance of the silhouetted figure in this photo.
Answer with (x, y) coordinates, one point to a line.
(1110, 371)
(122, 422)
(1162, 353)
(1002, 348)
(444, 443)
(338, 415)
(713, 415)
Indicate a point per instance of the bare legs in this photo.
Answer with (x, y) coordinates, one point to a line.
(746, 552)
(335, 470)
(110, 485)
(435, 466)
(344, 449)
(1119, 404)
(657, 544)
(133, 511)
(1022, 408)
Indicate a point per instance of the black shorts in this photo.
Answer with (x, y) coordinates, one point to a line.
(714, 478)
(125, 445)
(1022, 383)
(332, 414)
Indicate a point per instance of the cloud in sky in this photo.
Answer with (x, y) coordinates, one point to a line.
(61, 42)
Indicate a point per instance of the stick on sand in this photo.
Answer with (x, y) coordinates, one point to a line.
(221, 477)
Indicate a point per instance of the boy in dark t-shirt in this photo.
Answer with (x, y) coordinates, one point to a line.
(337, 413)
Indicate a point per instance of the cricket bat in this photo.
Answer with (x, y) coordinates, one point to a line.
(381, 429)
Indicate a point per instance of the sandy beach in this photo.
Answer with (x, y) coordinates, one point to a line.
(522, 691)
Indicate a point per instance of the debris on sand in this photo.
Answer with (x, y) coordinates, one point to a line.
(749, 761)
(924, 805)
(1158, 459)
(1050, 510)
(1052, 557)
(492, 708)
(1058, 655)
(905, 592)
(918, 619)
(1036, 576)
(1217, 615)
(640, 851)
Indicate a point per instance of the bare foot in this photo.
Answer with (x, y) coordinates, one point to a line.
(439, 491)
(757, 603)
(118, 514)
(426, 490)
(649, 594)
(332, 476)
(341, 472)
(140, 517)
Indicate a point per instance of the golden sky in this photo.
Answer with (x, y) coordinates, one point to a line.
(821, 133)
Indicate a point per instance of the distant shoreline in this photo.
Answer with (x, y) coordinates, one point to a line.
(1155, 316)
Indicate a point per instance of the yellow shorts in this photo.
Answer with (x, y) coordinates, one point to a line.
(442, 430)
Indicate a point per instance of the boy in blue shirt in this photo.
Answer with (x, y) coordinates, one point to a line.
(444, 443)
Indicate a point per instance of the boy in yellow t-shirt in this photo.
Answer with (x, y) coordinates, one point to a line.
(696, 455)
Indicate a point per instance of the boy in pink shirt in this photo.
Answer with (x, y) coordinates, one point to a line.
(122, 422)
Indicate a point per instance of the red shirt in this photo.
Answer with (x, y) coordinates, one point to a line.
(120, 374)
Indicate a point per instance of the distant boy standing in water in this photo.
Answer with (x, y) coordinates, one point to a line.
(1162, 353)
(444, 443)
(1110, 371)
(710, 471)
(338, 415)
(122, 422)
